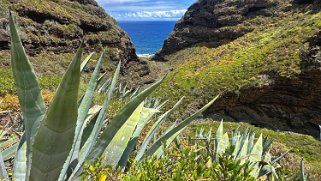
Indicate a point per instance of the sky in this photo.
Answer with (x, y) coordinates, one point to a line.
(143, 10)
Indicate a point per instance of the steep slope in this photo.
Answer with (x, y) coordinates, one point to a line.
(213, 23)
(268, 75)
(57, 27)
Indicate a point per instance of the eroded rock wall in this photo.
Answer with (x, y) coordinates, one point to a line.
(59, 27)
(290, 104)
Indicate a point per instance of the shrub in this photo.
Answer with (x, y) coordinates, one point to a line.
(243, 157)
(175, 164)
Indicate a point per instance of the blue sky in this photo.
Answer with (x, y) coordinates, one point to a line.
(127, 10)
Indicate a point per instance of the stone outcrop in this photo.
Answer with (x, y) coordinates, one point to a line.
(59, 27)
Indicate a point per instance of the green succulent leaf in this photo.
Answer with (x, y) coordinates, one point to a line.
(20, 161)
(303, 176)
(55, 135)
(146, 115)
(251, 142)
(118, 144)
(160, 151)
(243, 150)
(83, 109)
(10, 152)
(219, 133)
(88, 145)
(28, 90)
(118, 121)
(154, 129)
(86, 61)
(257, 151)
(177, 129)
(223, 144)
(3, 171)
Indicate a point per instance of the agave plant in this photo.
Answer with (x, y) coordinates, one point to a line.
(58, 140)
(244, 148)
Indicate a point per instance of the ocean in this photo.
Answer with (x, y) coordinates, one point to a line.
(148, 36)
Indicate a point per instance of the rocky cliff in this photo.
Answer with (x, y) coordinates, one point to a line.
(213, 23)
(57, 27)
(262, 56)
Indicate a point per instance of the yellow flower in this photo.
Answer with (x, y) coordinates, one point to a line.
(102, 178)
(91, 168)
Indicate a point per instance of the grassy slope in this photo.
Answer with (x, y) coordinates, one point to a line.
(202, 72)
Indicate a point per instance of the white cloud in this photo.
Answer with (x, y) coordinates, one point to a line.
(153, 14)
(144, 9)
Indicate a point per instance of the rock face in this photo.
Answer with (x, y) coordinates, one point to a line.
(221, 29)
(59, 26)
(216, 22)
(286, 103)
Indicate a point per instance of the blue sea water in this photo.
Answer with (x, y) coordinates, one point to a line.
(148, 36)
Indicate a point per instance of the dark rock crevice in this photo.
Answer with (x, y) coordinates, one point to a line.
(41, 17)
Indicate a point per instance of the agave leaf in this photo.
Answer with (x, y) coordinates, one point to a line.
(3, 171)
(265, 170)
(20, 166)
(135, 93)
(85, 62)
(55, 135)
(10, 152)
(153, 130)
(251, 142)
(146, 115)
(160, 151)
(237, 139)
(8, 143)
(28, 90)
(88, 145)
(303, 177)
(89, 95)
(209, 135)
(266, 145)
(219, 133)
(82, 114)
(243, 151)
(105, 86)
(118, 121)
(222, 145)
(280, 157)
(118, 144)
(177, 129)
(255, 167)
(91, 120)
(257, 151)
(218, 136)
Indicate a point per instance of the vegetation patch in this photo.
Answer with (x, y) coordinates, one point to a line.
(300, 146)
